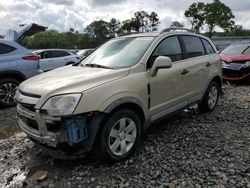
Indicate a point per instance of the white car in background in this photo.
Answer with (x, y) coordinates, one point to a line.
(55, 58)
(84, 53)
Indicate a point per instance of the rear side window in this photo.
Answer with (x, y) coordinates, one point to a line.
(60, 53)
(169, 47)
(193, 46)
(4, 49)
(208, 47)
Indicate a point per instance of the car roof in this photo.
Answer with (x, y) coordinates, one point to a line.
(155, 34)
(52, 49)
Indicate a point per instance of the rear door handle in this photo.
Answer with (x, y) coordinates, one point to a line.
(208, 64)
(185, 71)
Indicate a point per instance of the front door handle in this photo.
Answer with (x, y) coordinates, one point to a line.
(208, 64)
(185, 71)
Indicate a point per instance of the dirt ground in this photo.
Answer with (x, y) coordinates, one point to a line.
(189, 149)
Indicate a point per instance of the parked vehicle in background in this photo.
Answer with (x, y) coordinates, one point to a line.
(16, 62)
(236, 61)
(55, 58)
(107, 101)
(84, 53)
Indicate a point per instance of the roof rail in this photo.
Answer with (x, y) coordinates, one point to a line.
(125, 34)
(176, 28)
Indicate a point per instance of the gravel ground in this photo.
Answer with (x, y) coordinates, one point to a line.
(186, 150)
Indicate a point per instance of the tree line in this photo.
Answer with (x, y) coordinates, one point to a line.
(202, 16)
(94, 34)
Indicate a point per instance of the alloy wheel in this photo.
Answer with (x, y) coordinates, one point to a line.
(122, 136)
(212, 97)
(7, 93)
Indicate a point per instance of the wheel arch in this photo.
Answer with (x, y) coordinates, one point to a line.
(218, 80)
(130, 103)
(13, 74)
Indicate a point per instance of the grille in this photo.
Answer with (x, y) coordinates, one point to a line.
(30, 107)
(30, 95)
(30, 122)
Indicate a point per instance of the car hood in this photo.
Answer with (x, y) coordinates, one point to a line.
(70, 79)
(25, 30)
(235, 58)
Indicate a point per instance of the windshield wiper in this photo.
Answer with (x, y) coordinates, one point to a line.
(97, 66)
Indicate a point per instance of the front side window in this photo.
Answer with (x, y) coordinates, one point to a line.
(4, 49)
(119, 53)
(193, 45)
(169, 47)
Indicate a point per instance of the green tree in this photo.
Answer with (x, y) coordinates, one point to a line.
(218, 14)
(141, 22)
(113, 26)
(153, 21)
(98, 29)
(71, 30)
(125, 27)
(196, 15)
(176, 24)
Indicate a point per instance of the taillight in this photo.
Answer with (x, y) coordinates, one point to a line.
(32, 57)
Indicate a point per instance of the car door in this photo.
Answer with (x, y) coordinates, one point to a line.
(61, 58)
(168, 89)
(199, 62)
(47, 60)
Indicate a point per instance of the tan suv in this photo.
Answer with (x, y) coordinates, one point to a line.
(106, 102)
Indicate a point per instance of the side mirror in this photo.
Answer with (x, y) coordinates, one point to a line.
(161, 62)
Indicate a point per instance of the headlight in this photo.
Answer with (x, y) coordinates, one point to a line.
(247, 64)
(61, 104)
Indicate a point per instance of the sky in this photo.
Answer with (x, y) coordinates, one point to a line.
(64, 14)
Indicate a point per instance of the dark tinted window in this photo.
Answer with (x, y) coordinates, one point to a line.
(60, 53)
(46, 55)
(193, 46)
(4, 49)
(169, 47)
(208, 47)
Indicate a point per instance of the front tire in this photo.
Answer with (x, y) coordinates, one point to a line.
(8, 89)
(210, 98)
(120, 136)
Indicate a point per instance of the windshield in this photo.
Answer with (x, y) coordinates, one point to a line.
(119, 53)
(235, 49)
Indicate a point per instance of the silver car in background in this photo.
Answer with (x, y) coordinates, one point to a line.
(16, 62)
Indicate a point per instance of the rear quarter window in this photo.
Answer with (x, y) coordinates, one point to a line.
(193, 46)
(4, 49)
(208, 47)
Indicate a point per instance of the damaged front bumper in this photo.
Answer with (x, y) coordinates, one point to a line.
(235, 71)
(57, 131)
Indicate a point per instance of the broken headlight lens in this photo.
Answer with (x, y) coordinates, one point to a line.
(62, 104)
(247, 64)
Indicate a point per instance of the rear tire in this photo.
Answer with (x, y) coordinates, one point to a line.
(8, 87)
(210, 98)
(119, 136)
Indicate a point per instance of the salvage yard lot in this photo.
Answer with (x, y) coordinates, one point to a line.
(188, 149)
